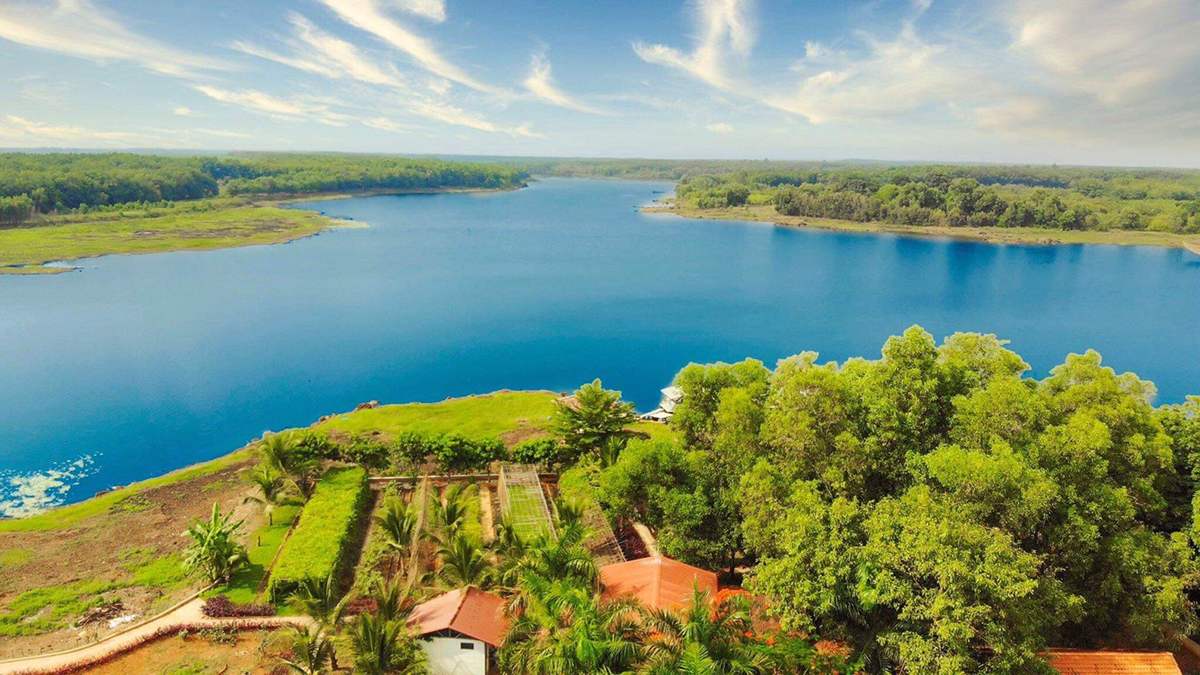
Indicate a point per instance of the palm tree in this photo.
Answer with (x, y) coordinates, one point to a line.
(450, 514)
(464, 563)
(270, 486)
(383, 646)
(398, 523)
(214, 552)
(322, 600)
(392, 600)
(565, 628)
(311, 651)
(280, 452)
(564, 557)
(701, 638)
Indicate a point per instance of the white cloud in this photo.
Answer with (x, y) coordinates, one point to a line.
(369, 16)
(724, 26)
(434, 10)
(447, 113)
(893, 76)
(720, 127)
(78, 28)
(294, 108)
(1110, 49)
(26, 131)
(541, 84)
(385, 124)
(182, 111)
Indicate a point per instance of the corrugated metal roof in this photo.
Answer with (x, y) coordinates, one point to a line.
(656, 582)
(469, 611)
(1104, 662)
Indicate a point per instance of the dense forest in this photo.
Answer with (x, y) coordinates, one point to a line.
(935, 508)
(960, 196)
(61, 182)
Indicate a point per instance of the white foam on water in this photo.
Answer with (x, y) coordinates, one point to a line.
(27, 494)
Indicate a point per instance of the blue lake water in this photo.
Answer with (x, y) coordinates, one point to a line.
(141, 364)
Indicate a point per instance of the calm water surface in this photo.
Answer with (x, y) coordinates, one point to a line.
(141, 364)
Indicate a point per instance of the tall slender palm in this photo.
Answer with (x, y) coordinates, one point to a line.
(270, 485)
(399, 524)
(701, 637)
(311, 651)
(392, 600)
(450, 514)
(464, 563)
(214, 551)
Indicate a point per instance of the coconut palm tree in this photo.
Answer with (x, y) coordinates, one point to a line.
(214, 551)
(280, 452)
(311, 651)
(702, 638)
(450, 514)
(392, 600)
(383, 646)
(464, 563)
(398, 523)
(562, 557)
(270, 484)
(563, 627)
(321, 599)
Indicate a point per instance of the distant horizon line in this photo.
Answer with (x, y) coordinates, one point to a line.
(135, 150)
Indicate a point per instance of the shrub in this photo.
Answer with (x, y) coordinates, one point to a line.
(540, 451)
(367, 452)
(315, 445)
(318, 547)
(220, 607)
(410, 449)
(459, 453)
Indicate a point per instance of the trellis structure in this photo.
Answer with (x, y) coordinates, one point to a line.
(523, 502)
(601, 543)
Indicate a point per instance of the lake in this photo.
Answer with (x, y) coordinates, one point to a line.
(141, 364)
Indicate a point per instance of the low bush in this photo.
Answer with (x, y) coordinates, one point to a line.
(453, 453)
(220, 607)
(318, 547)
(367, 452)
(546, 452)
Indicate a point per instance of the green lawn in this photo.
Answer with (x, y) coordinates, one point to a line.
(483, 416)
(184, 230)
(68, 516)
(263, 546)
(525, 512)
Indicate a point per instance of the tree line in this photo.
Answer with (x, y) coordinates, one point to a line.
(962, 196)
(935, 508)
(33, 184)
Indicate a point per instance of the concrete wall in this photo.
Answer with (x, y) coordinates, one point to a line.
(447, 656)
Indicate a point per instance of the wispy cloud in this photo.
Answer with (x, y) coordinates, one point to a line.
(724, 26)
(321, 53)
(892, 76)
(1109, 49)
(540, 83)
(15, 128)
(79, 28)
(450, 114)
(720, 127)
(434, 10)
(369, 16)
(182, 111)
(287, 108)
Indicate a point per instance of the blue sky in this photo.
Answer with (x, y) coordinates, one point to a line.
(1070, 81)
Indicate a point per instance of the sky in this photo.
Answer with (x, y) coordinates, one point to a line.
(1070, 82)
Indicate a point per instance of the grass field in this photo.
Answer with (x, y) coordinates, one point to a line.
(24, 250)
(503, 414)
(995, 235)
(261, 550)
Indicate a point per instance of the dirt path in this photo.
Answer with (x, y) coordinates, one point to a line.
(187, 615)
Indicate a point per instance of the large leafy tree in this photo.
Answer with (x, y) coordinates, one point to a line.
(946, 514)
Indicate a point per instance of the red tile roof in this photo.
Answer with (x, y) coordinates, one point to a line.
(657, 582)
(1103, 662)
(470, 611)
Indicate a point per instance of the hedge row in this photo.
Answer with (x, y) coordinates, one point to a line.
(319, 546)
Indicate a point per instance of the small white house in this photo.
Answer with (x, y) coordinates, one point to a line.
(671, 397)
(460, 631)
